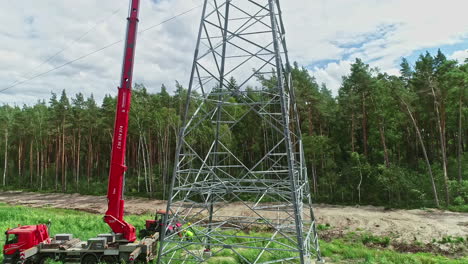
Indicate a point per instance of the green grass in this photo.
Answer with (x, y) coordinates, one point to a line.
(458, 208)
(339, 251)
(85, 225)
(451, 240)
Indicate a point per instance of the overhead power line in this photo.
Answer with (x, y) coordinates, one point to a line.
(96, 51)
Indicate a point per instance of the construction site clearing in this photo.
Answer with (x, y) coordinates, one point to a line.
(423, 225)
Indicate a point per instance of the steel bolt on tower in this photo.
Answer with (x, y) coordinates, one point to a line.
(268, 193)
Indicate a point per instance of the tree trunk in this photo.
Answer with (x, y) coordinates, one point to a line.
(310, 119)
(162, 160)
(57, 156)
(90, 158)
(148, 158)
(6, 158)
(64, 187)
(352, 133)
(43, 161)
(73, 153)
(38, 164)
(442, 147)
(314, 178)
(429, 169)
(322, 163)
(364, 125)
(144, 163)
(384, 145)
(31, 164)
(138, 165)
(65, 177)
(459, 145)
(19, 158)
(360, 179)
(382, 135)
(78, 160)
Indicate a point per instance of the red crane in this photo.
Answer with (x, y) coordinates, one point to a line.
(115, 209)
(32, 244)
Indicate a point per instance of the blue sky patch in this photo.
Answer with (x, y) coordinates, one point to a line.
(358, 41)
(321, 63)
(446, 49)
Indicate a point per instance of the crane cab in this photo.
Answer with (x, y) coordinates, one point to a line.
(22, 238)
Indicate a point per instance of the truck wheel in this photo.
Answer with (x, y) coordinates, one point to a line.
(9, 259)
(89, 259)
(108, 259)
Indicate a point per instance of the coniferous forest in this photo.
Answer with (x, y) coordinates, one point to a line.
(385, 140)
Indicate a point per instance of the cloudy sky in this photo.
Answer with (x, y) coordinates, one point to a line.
(323, 35)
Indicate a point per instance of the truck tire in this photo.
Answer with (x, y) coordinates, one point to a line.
(9, 259)
(89, 259)
(109, 259)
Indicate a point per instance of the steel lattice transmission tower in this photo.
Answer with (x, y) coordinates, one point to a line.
(240, 89)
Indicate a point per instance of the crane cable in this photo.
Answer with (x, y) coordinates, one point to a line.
(96, 51)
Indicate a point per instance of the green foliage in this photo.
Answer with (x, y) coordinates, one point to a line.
(376, 240)
(451, 240)
(340, 251)
(360, 146)
(459, 200)
(461, 190)
(324, 227)
(459, 208)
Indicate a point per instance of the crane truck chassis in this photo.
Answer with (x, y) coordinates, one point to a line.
(32, 244)
(105, 248)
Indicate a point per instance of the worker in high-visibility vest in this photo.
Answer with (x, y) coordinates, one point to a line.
(189, 233)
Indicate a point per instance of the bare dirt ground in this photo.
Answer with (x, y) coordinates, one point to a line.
(401, 225)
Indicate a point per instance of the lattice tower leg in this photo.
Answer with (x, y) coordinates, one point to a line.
(249, 202)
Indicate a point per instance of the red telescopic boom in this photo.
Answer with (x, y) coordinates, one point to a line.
(115, 209)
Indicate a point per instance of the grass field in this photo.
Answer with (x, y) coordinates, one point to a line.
(84, 225)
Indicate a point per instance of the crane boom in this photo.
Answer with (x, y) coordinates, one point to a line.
(115, 209)
(32, 243)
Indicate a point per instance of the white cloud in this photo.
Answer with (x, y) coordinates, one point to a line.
(163, 54)
(379, 32)
(331, 74)
(460, 55)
